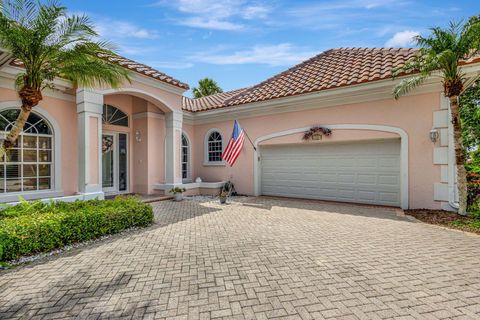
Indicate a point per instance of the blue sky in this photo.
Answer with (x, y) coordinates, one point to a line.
(242, 42)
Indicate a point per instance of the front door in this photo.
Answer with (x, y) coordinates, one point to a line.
(114, 163)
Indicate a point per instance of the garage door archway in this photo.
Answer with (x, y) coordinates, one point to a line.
(403, 153)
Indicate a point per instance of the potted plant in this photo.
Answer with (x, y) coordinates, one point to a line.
(178, 193)
(226, 191)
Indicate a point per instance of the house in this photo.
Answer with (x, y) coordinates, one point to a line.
(146, 137)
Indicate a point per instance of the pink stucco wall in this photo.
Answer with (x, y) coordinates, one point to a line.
(413, 114)
(65, 114)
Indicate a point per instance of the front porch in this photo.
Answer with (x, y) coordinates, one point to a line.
(131, 142)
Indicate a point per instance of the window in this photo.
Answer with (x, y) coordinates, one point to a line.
(214, 147)
(28, 165)
(185, 156)
(114, 116)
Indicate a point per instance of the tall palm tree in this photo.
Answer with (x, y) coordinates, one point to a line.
(439, 56)
(51, 44)
(206, 87)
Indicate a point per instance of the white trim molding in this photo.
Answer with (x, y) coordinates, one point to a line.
(89, 105)
(404, 188)
(206, 162)
(173, 125)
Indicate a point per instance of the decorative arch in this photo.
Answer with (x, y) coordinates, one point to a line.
(56, 187)
(158, 101)
(404, 201)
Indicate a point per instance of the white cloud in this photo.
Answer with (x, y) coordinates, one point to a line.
(214, 24)
(255, 12)
(217, 14)
(273, 55)
(114, 29)
(402, 39)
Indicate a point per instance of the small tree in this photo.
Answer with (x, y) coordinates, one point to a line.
(51, 44)
(440, 55)
(206, 87)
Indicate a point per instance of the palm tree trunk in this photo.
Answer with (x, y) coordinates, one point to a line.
(459, 156)
(30, 98)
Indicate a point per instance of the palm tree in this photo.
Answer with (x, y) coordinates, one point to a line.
(439, 56)
(206, 87)
(51, 44)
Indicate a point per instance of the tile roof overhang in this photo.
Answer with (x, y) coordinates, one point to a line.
(144, 70)
(332, 69)
(133, 66)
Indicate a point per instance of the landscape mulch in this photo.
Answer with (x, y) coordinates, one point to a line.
(444, 218)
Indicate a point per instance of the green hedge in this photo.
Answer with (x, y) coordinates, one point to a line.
(33, 227)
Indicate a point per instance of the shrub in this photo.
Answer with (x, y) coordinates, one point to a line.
(473, 186)
(33, 227)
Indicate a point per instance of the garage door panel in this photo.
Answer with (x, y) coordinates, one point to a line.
(361, 172)
(392, 180)
(347, 178)
(388, 197)
(367, 179)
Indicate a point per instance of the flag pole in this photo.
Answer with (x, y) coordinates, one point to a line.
(254, 148)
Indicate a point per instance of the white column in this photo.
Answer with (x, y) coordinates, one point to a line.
(173, 123)
(89, 116)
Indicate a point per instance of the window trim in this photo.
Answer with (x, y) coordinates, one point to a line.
(56, 188)
(104, 123)
(189, 158)
(206, 162)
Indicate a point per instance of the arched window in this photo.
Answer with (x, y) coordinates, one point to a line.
(214, 147)
(185, 157)
(114, 116)
(28, 166)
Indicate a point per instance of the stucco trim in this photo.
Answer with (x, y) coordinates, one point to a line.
(57, 153)
(404, 197)
(157, 84)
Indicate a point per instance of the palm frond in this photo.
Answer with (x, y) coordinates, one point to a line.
(84, 67)
(407, 85)
(50, 43)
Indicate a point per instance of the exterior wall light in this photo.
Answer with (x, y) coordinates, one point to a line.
(138, 136)
(434, 135)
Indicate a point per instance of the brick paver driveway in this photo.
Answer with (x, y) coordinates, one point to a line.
(256, 259)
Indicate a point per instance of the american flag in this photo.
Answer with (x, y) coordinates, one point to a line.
(235, 144)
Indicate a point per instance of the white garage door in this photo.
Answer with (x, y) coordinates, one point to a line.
(353, 172)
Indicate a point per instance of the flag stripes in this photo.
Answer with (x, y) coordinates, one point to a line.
(235, 145)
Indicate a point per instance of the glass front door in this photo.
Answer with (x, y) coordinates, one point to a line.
(114, 163)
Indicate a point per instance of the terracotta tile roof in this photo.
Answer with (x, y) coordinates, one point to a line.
(136, 67)
(144, 69)
(331, 69)
(211, 102)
